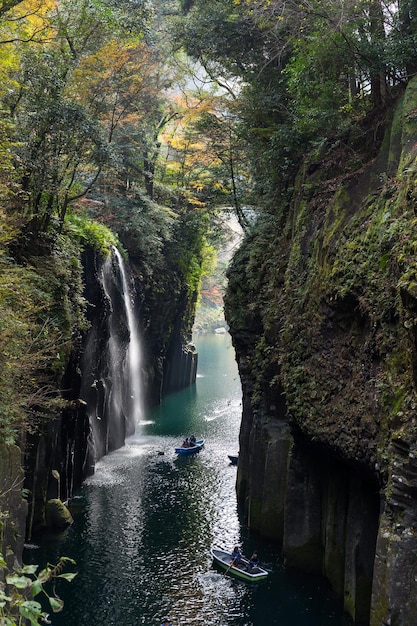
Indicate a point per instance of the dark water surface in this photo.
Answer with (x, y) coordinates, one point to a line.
(145, 522)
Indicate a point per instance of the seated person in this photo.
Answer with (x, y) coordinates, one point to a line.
(236, 556)
(192, 440)
(253, 564)
(186, 443)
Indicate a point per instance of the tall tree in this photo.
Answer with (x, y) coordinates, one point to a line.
(65, 139)
(307, 70)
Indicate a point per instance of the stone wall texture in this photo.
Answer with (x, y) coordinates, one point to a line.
(322, 308)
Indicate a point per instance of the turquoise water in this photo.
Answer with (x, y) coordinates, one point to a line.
(145, 522)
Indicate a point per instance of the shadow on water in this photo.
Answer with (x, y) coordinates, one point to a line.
(145, 523)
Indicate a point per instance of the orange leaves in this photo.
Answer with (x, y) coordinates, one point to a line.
(192, 160)
(114, 81)
(27, 22)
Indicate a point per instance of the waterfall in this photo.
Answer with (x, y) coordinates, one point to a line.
(133, 349)
(119, 380)
(109, 373)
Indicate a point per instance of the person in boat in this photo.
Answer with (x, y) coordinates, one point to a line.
(166, 622)
(253, 564)
(192, 440)
(186, 443)
(236, 556)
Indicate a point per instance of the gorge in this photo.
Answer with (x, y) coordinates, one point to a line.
(129, 132)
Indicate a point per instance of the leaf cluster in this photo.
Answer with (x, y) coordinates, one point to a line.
(39, 309)
(89, 232)
(17, 598)
(307, 72)
(62, 131)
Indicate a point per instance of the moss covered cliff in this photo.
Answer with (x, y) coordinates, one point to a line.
(322, 305)
(57, 379)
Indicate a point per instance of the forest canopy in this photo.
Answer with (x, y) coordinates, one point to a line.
(309, 72)
(155, 118)
(100, 144)
(198, 103)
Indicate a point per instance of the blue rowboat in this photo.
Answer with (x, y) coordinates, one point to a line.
(242, 571)
(191, 449)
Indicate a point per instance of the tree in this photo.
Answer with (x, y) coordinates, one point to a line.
(307, 70)
(403, 36)
(64, 148)
(64, 141)
(7, 5)
(125, 89)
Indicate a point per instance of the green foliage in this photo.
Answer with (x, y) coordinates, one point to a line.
(330, 296)
(39, 308)
(228, 41)
(58, 139)
(21, 345)
(187, 247)
(17, 603)
(316, 73)
(84, 109)
(143, 226)
(90, 233)
(306, 72)
(86, 25)
(63, 134)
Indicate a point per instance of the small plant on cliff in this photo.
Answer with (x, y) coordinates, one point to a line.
(17, 604)
(89, 232)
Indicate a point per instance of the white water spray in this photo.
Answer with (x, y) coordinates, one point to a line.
(134, 353)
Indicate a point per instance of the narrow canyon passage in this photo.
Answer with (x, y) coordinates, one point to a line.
(145, 523)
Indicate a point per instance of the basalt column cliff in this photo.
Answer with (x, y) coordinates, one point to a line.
(105, 392)
(322, 305)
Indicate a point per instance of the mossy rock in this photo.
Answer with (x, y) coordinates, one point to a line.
(58, 516)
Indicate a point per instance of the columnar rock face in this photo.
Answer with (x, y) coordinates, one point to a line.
(86, 429)
(323, 512)
(395, 583)
(96, 418)
(181, 367)
(168, 311)
(13, 507)
(322, 304)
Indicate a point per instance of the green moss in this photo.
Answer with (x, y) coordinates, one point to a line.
(91, 233)
(330, 298)
(391, 144)
(57, 515)
(255, 513)
(408, 126)
(42, 313)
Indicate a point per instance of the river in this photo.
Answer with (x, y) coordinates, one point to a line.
(145, 522)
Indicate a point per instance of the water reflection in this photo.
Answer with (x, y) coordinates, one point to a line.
(145, 523)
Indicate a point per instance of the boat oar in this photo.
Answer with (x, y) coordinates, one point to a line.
(232, 563)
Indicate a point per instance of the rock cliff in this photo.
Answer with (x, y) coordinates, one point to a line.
(96, 418)
(322, 307)
(13, 507)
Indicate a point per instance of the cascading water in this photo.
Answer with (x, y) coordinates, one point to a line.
(133, 350)
(124, 398)
(111, 366)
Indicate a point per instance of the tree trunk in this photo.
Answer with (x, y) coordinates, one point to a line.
(408, 27)
(378, 75)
